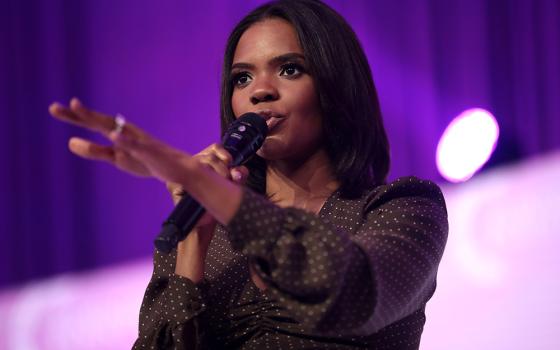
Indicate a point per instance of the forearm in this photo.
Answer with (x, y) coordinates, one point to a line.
(332, 278)
(306, 262)
(191, 253)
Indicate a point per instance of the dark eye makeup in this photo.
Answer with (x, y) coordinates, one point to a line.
(292, 70)
(240, 79)
(289, 70)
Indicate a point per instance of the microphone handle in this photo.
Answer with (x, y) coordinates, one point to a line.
(171, 233)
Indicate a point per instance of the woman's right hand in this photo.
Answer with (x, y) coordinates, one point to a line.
(216, 158)
(191, 252)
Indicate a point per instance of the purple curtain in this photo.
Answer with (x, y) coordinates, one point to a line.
(159, 65)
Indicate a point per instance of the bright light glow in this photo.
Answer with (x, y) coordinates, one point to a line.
(96, 310)
(467, 144)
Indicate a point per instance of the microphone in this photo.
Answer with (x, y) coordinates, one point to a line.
(242, 140)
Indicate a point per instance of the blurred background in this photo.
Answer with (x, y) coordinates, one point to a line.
(470, 92)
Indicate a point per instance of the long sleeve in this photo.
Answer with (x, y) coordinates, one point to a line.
(170, 309)
(351, 278)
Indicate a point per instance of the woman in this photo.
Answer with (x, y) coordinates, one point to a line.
(316, 251)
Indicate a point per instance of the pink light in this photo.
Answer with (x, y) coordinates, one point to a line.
(95, 310)
(466, 144)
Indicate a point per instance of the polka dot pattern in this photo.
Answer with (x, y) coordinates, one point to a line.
(358, 275)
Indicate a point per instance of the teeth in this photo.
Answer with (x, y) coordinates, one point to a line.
(272, 122)
(268, 114)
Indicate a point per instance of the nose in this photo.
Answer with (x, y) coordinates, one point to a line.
(264, 91)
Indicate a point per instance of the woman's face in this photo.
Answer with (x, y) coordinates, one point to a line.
(270, 78)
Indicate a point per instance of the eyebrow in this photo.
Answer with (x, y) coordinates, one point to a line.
(287, 57)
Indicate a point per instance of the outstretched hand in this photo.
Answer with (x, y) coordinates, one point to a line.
(136, 152)
(121, 157)
(133, 151)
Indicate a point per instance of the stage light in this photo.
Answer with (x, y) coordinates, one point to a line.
(466, 144)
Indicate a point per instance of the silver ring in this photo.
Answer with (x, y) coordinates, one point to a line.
(120, 122)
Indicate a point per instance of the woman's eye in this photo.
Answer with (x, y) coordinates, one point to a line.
(291, 70)
(241, 79)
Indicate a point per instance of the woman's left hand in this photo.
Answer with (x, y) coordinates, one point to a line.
(133, 151)
(136, 152)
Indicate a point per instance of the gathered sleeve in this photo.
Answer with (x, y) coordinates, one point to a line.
(349, 281)
(169, 315)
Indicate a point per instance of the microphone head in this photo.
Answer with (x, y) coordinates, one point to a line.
(244, 137)
(254, 120)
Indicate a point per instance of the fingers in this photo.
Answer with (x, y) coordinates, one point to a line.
(79, 115)
(93, 120)
(239, 174)
(89, 150)
(121, 159)
(221, 153)
(217, 158)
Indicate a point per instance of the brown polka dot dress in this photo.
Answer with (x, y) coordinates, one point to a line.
(356, 276)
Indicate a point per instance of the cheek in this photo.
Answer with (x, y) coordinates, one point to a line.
(236, 103)
(304, 128)
(305, 100)
(306, 104)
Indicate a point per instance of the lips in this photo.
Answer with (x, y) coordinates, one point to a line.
(271, 117)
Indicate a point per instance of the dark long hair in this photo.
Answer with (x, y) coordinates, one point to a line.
(355, 139)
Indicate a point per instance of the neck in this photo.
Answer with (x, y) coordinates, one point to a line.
(303, 184)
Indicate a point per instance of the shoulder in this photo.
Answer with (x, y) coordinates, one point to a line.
(405, 195)
(409, 208)
(408, 191)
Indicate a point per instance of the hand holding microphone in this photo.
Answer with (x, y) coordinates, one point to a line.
(217, 158)
(242, 140)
